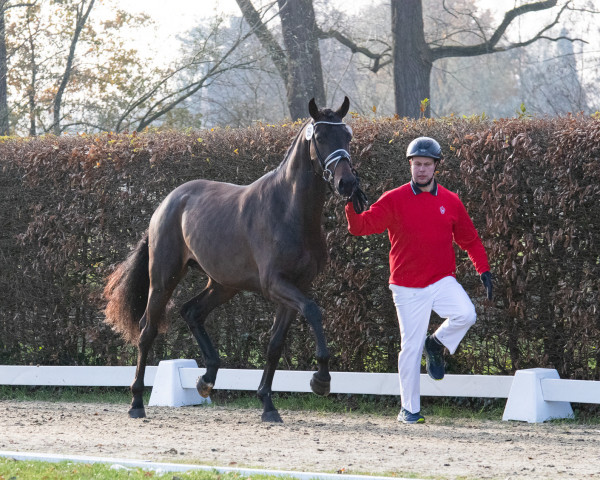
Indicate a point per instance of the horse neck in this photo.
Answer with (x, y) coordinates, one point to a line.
(306, 189)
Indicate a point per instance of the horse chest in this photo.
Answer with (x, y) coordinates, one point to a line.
(298, 253)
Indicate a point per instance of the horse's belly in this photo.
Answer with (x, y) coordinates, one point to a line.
(233, 270)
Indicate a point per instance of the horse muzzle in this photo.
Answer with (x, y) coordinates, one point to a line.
(345, 180)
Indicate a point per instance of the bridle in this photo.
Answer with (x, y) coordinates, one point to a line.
(333, 158)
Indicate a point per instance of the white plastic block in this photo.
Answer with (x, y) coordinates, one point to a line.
(168, 390)
(526, 399)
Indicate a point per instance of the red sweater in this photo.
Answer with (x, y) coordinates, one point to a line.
(421, 228)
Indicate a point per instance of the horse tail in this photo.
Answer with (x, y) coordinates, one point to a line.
(126, 293)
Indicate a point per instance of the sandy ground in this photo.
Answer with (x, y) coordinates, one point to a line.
(225, 436)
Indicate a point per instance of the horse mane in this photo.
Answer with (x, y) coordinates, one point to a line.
(293, 146)
(325, 114)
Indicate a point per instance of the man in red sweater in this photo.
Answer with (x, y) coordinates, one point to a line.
(423, 219)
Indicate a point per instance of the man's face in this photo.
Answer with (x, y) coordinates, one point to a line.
(422, 169)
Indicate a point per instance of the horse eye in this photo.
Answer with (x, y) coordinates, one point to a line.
(349, 129)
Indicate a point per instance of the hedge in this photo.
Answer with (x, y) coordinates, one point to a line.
(73, 206)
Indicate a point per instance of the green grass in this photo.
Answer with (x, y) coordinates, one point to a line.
(440, 408)
(11, 469)
(68, 394)
(379, 405)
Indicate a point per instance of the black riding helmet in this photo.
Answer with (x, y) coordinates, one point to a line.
(424, 147)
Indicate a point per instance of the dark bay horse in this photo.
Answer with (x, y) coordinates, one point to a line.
(265, 237)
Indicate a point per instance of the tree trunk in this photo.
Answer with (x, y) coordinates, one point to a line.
(412, 58)
(4, 125)
(32, 88)
(305, 79)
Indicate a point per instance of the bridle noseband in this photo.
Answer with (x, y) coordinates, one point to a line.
(333, 158)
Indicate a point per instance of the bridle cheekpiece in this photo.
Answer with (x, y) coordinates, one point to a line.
(334, 157)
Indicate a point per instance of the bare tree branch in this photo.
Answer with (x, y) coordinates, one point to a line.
(582, 9)
(380, 60)
(100, 128)
(491, 45)
(16, 5)
(173, 98)
(447, 9)
(82, 17)
(137, 102)
(259, 28)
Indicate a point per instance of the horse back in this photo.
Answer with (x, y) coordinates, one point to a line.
(239, 235)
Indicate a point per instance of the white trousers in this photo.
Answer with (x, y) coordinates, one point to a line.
(448, 299)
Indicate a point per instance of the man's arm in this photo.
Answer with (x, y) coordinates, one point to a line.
(467, 238)
(374, 220)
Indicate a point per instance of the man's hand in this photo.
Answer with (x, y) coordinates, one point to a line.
(486, 279)
(359, 200)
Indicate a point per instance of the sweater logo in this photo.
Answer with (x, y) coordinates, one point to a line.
(442, 210)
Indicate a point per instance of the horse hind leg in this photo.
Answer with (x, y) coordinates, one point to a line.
(165, 272)
(157, 302)
(195, 312)
(284, 318)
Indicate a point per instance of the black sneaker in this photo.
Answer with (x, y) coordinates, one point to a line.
(434, 357)
(406, 417)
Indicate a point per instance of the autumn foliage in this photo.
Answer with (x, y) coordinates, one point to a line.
(73, 206)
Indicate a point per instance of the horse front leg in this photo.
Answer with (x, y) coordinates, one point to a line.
(289, 295)
(283, 319)
(321, 380)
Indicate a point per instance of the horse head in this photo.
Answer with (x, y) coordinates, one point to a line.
(329, 139)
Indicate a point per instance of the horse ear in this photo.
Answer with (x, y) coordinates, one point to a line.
(343, 110)
(313, 109)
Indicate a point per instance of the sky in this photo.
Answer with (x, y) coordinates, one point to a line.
(160, 42)
(185, 14)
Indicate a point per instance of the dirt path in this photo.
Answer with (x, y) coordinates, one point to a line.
(316, 442)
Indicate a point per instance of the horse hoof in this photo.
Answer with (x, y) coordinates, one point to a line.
(204, 388)
(137, 413)
(319, 386)
(272, 417)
